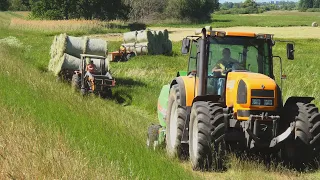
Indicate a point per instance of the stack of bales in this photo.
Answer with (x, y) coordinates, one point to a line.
(148, 42)
(65, 51)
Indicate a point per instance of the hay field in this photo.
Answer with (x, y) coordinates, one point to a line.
(99, 136)
(177, 34)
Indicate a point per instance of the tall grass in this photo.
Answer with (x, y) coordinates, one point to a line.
(29, 151)
(101, 130)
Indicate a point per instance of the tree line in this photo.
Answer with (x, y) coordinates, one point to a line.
(197, 10)
(307, 4)
(251, 6)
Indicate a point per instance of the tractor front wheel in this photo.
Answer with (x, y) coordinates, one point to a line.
(302, 148)
(207, 147)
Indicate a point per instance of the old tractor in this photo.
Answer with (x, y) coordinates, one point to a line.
(99, 81)
(121, 55)
(228, 100)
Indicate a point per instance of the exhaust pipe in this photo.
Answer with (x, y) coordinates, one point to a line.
(203, 65)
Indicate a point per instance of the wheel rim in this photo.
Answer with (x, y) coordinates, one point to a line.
(173, 124)
(195, 138)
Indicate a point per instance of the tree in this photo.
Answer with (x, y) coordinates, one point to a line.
(143, 9)
(4, 5)
(305, 4)
(195, 10)
(249, 4)
(87, 9)
(19, 5)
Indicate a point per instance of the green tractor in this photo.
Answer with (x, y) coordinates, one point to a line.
(228, 100)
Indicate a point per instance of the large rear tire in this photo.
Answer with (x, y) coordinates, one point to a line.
(175, 121)
(302, 148)
(206, 133)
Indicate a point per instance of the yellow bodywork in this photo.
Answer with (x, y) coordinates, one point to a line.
(253, 81)
(191, 89)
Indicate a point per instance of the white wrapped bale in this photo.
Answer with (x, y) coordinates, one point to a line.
(142, 48)
(65, 48)
(66, 62)
(97, 47)
(139, 48)
(130, 37)
(75, 46)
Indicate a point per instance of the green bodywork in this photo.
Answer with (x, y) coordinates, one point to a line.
(163, 106)
(162, 110)
(182, 73)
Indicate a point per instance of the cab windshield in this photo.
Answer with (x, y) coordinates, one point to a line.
(247, 53)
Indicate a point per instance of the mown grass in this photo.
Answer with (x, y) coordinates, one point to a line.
(267, 19)
(111, 134)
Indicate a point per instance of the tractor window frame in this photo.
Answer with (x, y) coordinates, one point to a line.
(258, 53)
(193, 57)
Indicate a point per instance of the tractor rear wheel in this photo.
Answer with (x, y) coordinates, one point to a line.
(175, 121)
(207, 147)
(302, 148)
(75, 83)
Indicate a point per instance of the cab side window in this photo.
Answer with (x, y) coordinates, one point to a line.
(192, 66)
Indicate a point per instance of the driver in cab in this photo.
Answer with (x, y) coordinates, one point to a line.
(223, 65)
(226, 63)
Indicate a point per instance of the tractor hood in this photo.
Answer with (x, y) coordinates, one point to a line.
(251, 91)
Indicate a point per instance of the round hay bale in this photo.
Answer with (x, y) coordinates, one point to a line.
(97, 47)
(141, 48)
(130, 37)
(66, 62)
(314, 24)
(75, 46)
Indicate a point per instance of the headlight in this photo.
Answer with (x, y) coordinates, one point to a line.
(268, 102)
(256, 102)
(261, 102)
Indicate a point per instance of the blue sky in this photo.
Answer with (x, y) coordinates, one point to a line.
(222, 1)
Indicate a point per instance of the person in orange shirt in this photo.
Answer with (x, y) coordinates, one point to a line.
(90, 69)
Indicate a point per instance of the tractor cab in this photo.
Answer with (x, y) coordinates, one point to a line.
(227, 52)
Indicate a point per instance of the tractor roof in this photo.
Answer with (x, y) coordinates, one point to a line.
(240, 34)
(215, 33)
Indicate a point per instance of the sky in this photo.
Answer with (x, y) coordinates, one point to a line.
(222, 1)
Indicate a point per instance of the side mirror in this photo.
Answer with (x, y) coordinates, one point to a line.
(290, 51)
(185, 46)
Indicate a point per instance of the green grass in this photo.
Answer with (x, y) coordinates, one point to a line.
(267, 19)
(112, 132)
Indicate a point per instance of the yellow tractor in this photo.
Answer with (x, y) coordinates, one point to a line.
(229, 100)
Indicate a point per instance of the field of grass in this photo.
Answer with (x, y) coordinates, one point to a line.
(91, 138)
(267, 19)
